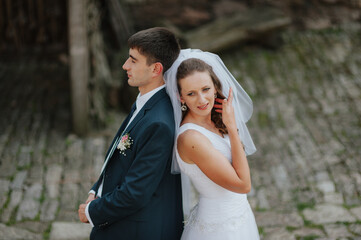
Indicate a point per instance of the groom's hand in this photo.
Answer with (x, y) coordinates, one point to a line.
(91, 197)
(81, 212)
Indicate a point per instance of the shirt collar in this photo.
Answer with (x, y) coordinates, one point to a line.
(143, 99)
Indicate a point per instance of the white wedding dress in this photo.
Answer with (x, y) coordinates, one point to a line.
(220, 214)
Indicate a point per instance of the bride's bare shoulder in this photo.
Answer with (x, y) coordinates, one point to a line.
(192, 145)
(192, 138)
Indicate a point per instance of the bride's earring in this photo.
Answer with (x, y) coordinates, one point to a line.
(215, 95)
(184, 107)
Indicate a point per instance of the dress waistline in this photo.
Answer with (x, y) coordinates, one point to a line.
(220, 208)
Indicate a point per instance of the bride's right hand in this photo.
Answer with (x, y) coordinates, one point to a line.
(227, 110)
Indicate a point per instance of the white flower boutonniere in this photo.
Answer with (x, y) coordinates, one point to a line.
(124, 143)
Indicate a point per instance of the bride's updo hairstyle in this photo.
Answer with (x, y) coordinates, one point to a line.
(188, 67)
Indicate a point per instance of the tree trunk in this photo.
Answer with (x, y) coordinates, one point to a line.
(121, 22)
(79, 65)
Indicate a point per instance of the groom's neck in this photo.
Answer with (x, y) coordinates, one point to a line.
(155, 83)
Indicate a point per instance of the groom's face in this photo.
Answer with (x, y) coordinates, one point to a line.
(138, 71)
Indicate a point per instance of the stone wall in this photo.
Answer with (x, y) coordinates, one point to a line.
(306, 173)
(187, 14)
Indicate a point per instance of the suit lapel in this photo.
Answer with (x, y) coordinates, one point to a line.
(120, 130)
(153, 100)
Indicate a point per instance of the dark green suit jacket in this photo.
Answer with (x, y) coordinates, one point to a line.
(141, 199)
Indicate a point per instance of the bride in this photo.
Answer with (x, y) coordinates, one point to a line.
(211, 146)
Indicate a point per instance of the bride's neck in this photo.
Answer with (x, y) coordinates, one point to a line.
(205, 121)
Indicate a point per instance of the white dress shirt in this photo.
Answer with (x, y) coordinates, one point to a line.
(139, 103)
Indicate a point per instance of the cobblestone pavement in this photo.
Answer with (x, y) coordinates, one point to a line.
(306, 124)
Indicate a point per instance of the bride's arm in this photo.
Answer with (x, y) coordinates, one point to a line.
(194, 147)
(239, 159)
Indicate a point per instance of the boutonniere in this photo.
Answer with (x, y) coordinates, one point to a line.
(124, 143)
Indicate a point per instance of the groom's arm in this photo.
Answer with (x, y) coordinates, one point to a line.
(153, 151)
(93, 189)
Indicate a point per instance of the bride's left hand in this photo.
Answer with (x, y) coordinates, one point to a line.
(225, 107)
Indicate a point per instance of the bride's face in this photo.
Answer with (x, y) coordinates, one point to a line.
(197, 92)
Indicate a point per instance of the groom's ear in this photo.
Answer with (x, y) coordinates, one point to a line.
(157, 69)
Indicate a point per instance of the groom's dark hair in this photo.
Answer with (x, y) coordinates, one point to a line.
(157, 44)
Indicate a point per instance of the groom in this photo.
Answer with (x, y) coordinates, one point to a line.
(136, 197)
